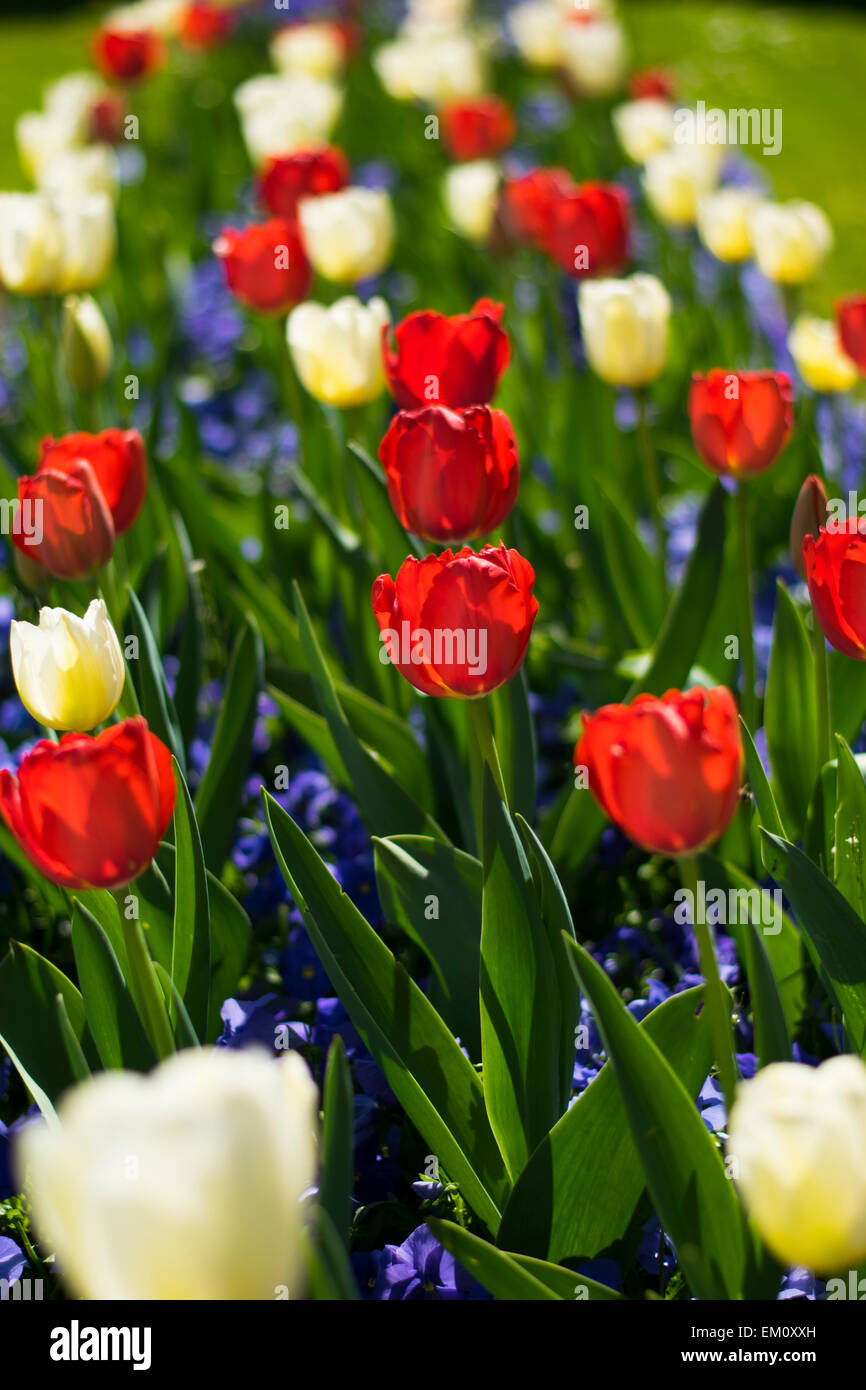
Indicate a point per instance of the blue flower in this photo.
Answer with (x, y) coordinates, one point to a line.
(421, 1268)
(13, 1261)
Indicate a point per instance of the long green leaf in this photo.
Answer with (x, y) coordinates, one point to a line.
(111, 1016)
(789, 712)
(29, 985)
(219, 795)
(191, 946)
(337, 1166)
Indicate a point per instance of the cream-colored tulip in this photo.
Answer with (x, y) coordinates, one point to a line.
(93, 169)
(676, 179)
(161, 17)
(624, 327)
(85, 343)
(724, 223)
(595, 55)
(797, 1150)
(470, 192)
(820, 358)
(348, 235)
(437, 69)
(31, 245)
(337, 350)
(68, 671)
(644, 127)
(42, 138)
(536, 26)
(790, 240)
(435, 16)
(73, 97)
(281, 113)
(88, 236)
(186, 1183)
(318, 49)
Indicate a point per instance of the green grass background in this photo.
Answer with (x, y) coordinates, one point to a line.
(808, 60)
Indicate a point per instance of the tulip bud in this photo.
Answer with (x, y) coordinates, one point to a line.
(318, 49)
(790, 240)
(810, 514)
(594, 54)
(536, 29)
(724, 223)
(675, 180)
(348, 235)
(137, 1188)
(76, 532)
(834, 564)
(85, 343)
(644, 127)
(441, 360)
(469, 192)
(796, 1140)
(625, 328)
(69, 671)
(337, 351)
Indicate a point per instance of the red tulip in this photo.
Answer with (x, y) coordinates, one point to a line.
(453, 361)
(666, 771)
(809, 515)
(451, 474)
(118, 460)
(106, 118)
(266, 265)
(741, 421)
(90, 812)
(77, 533)
(588, 230)
(459, 624)
(528, 202)
(478, 128)
(652, 82)
(835, 567)
(204, 26)
(306, 174)
(127, 54)
(851, 318)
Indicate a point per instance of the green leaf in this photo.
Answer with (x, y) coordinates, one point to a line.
(433, 892)
(768, 811)
(847, 694)
(72, 1047)
(191, 946)
(772, 1043)
(789, 712)
(849, 829)
(336, 1176)
(632, 572)
(218, 798)
(521, 1014)
(111, 1016)
(329, 1272)
(153, 696)
(515, 742)
(425, 1068)
(696, 1203)
(391, 541)
(498, 1272)
(29, 985)
(835, 930)
(579, 1191)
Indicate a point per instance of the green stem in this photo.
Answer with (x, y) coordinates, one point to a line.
(719, 1013)
(822, 691)
(744, 584)
(146, 993)
(482, 749)
(652, 485)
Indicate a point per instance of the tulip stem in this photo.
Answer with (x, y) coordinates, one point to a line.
(822, 691)
(719, 1013)
(744, 581)
(652, 484)
(482, 749)
(145, 990)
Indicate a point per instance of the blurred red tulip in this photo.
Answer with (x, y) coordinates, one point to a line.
(835, 567)
(477, 128)
(666, 771)
(528, 202)
(75, 533)
(306, 174)
(118, 460)
(90, 812)
(851, 319)
(652, 83)
(451, 474)
(106, 118)
(127, 55)
(809, 515)
(457, 625)
(741, 421)
(453, 361)
(588, 230)
(204, 26)
(266, 265)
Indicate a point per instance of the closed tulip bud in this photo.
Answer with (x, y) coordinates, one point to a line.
(644, 127)
(451, 475)
(68, 671)
(119, 464)
(588, 229)
(126, 54)
(809, 515)
(457, 625)
(724, 223)
(349, 235)
(318, 49)
(337, 350)
(851, 322)
(741, 421)
(433, 68)
(76, 533)
(666, 771)
(85, 343)
(119, 787)
(790, 240)
(796, 1143)
(137, 1188)
(834, 563)
(536, 27)
(819, 356)
(477, 129)
(675, 180)
(266, 265)
(594, 54)
(453, 361)
(307, 174)
(624, 324)
(470, 194)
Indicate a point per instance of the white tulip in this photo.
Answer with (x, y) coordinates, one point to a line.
(42, 138)
(182, 1184)
(348, 235)
(724, 222)
(470, 193)
(318, 49)
(437, 69)
(337, 350)
(69, 671)
(595, 55)
(644, 127)
(92, 169)
(624, 326)
(73, 97)
(536, 27)
(675, 180)
(790, 240)
(88, 238)
(31, 246)
(280, 114)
